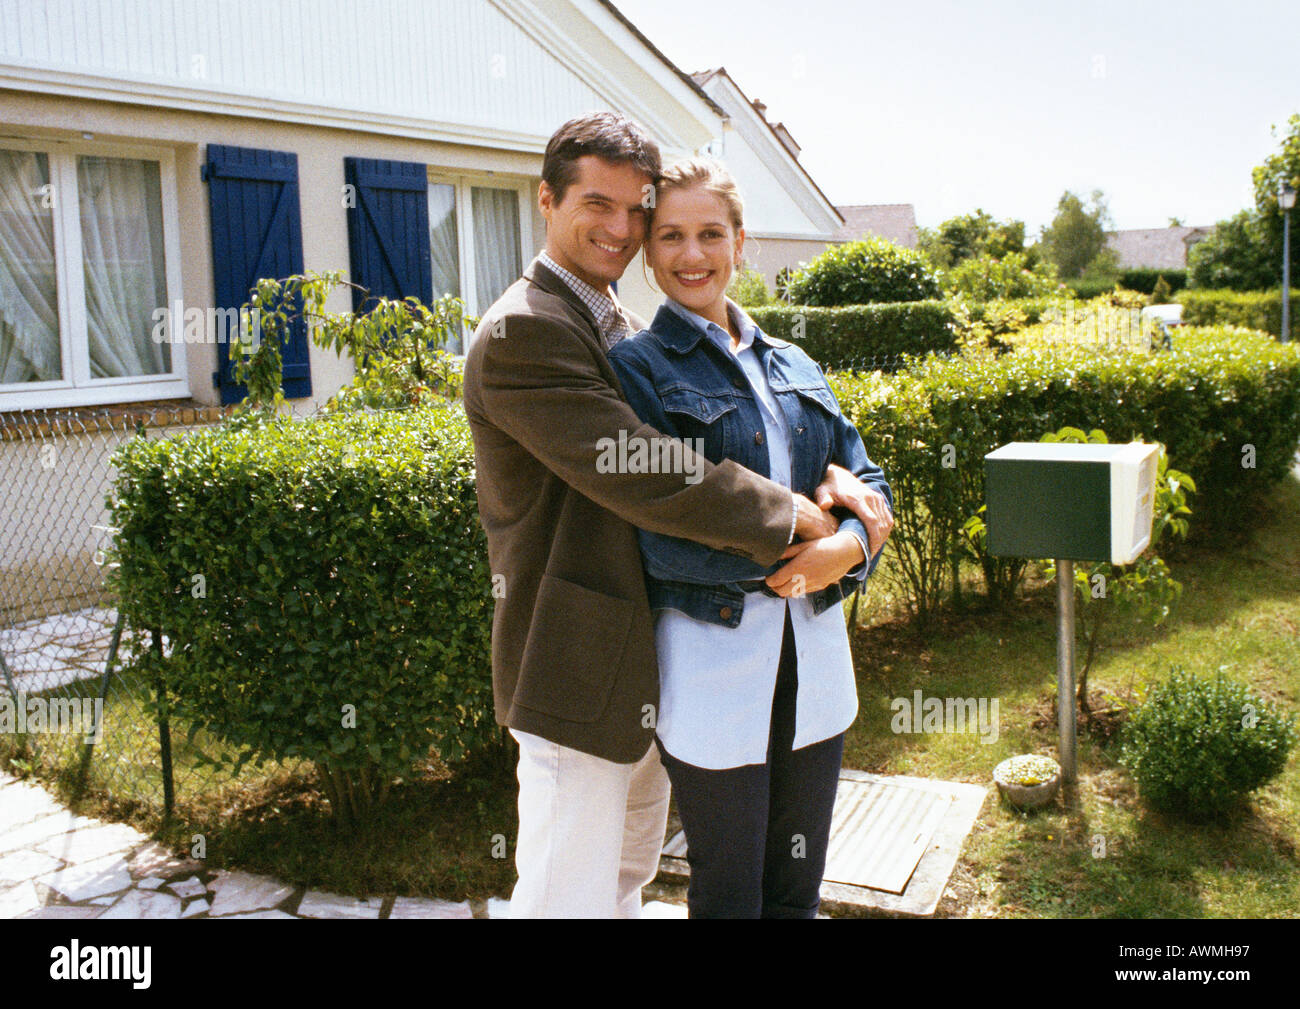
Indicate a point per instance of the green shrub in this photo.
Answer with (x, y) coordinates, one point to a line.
(1225, 403)
(867, 272)
(984, 278)
(1260, 310)
(1087, 288)
(1145, 278)
(1198, 746)
(862, 337)
(303, 570)
(748, 288)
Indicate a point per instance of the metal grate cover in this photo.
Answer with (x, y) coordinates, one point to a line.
(879, 831)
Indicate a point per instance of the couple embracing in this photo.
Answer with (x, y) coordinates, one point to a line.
(679, 627)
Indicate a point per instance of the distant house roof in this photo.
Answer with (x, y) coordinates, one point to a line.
(893, 221)
(1157, 248)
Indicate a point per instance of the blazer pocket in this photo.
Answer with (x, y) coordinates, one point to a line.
(574, 650)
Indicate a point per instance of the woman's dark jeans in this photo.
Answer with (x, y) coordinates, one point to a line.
(756, 836)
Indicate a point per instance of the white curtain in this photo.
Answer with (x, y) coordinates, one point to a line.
(496, 243)
(122, 247)
(445, 252)
(29, 314)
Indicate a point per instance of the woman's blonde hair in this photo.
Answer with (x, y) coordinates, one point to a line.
(712, 176)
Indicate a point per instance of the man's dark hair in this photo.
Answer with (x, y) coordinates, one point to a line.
(607, 135)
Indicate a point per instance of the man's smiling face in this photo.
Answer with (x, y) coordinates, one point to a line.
(597, 228)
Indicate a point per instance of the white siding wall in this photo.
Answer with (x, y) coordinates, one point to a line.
(447, 61)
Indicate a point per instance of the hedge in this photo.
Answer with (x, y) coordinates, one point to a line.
(1260, 310)
(862, 337)
(1144, 279)
(1225, 402)
(306, 570)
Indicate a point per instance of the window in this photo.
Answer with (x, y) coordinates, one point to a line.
(479, 232)
(87, 258)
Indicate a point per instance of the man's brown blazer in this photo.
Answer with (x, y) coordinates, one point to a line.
(573, 656)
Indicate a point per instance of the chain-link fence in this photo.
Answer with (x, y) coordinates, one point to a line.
(67, 705)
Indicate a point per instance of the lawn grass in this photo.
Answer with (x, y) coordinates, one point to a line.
(1096, 852)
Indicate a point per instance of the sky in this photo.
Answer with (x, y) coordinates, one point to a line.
(1004, 105)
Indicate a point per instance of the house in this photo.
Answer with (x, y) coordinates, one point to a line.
(895, 222)
(155, 159)
(1156, 248)
(788, 219)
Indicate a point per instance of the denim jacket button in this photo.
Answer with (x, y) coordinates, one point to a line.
(725, 613)
(758, 437)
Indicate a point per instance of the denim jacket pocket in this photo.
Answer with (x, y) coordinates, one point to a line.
(703, 415)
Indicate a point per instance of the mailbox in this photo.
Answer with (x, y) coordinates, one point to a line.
(1072, 501)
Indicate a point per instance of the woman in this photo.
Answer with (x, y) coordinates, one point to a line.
(756, 679)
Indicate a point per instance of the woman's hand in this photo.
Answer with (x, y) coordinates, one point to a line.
(814, 564)
(840, 487)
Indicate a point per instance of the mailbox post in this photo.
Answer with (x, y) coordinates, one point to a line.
(1070, 502)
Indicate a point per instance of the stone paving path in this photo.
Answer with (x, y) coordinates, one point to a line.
(55, 864)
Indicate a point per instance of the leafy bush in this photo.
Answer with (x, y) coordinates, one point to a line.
(303, 570)
(1144, 279)
(1260, 310)
(1236, 255)
(867, 272)
(748, 288)
(1225, 403)
(862, 336)
(1197, 746)
(983, 278)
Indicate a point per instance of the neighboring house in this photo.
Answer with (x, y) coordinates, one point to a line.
(165, 155)
(1157, 248)
(893, 221)
(788, 219)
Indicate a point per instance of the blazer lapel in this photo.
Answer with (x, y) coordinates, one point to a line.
(538, 273)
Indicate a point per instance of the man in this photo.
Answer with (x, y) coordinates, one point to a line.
(573, 663)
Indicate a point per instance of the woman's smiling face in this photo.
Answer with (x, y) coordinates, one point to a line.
(693, 247)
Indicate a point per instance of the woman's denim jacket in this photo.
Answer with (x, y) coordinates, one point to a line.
(680, 382)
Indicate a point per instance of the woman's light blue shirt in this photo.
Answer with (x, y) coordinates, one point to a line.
(716, 683)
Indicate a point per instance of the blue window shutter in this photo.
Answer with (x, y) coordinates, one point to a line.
(256, 233)
(388, 230)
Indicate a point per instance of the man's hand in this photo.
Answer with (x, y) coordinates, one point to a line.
(815, 564)
(813, 522)
(840, 487)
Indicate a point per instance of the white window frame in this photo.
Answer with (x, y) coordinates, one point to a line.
(74, 342)
(465, 183)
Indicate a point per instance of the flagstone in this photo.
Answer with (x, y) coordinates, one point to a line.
(20, 899)
(24, 803)
(89, 879)
(195, 907)
(425, 907)
(28, 835)
(319, 904)
(23, 865)
(155, 860)
(89, 844)
(65, 911)
(150, 883)
(186, 888)
(238, 892)
(143, 904)
(256, 914)
(498, 907)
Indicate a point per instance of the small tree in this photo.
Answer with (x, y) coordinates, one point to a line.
(395, 345)
(1077, 234)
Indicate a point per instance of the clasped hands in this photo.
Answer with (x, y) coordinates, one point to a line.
(821, 555)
